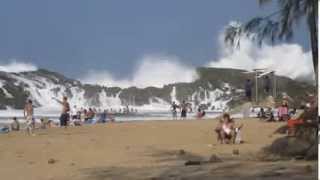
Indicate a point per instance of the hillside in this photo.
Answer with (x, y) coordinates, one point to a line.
(216, 88)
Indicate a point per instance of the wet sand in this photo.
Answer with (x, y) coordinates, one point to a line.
(143, 150)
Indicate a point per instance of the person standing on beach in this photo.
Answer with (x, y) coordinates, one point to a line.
(64, 118)
(184, 109)
(248, 89)
(174, 108)
(28, 115)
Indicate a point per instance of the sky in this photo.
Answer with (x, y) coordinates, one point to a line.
(78, 37)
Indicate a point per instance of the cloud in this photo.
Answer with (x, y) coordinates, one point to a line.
(16, 67)
(286, 59)
(153, 70)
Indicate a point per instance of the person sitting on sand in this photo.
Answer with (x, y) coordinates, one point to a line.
(201, 113)
(15, 125)
(261, 113)
(218, 131)
(269, 115)
(90, 114)
(227, 132)
(225, 129)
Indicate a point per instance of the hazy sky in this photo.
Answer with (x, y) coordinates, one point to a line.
(74, 36)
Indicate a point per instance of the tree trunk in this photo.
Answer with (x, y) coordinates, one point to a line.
(312, 22)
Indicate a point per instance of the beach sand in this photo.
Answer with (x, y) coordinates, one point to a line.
(143, 150)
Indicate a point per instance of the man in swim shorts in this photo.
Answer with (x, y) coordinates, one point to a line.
(28, 115)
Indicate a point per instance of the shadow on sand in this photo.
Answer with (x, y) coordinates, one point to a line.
(175, 169)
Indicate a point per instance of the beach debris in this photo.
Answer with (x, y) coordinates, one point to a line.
(154, 178)
(214, 159)
(299, 158)
(52, 161)
(181, 152)
(192, 163)
(270, 136)
(236, 152)
(270, 174)
(308, 168)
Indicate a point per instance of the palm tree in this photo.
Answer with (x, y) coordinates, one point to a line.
(278, 26)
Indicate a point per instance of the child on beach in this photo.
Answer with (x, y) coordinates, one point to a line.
(283, 111)
(28, 115)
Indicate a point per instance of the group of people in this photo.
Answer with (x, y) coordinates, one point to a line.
(184, 108)
(283, 113)
(76, 117)
(68, 117)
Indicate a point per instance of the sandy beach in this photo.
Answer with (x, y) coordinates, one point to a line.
(143, 150)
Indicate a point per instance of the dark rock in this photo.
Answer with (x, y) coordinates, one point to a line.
(236, 152)
(288, 147)
(52, 161)
(192, 163)
(214, 159)
(308, 168)
(312, 153)
(181, 152)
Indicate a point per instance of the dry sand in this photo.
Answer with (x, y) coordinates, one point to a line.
(143, 150)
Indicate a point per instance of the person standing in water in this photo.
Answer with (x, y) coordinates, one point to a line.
(64, 118)
(184, 109)
(174, 108)
(28, 115)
